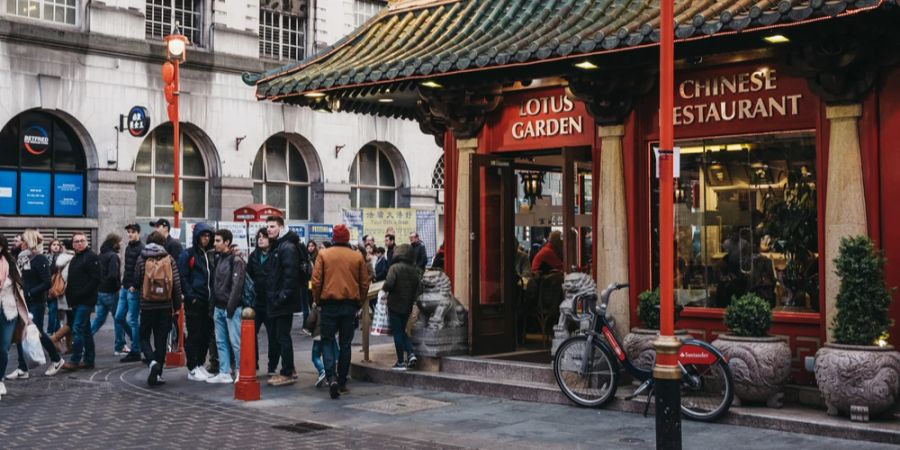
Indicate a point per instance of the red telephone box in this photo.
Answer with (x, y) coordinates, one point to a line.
(256, 212)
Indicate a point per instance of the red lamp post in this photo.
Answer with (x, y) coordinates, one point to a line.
(176, 44)
(666, 373)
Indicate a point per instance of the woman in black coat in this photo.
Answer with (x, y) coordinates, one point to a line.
(258, 269)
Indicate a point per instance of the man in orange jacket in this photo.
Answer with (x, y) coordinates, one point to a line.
(340, 283)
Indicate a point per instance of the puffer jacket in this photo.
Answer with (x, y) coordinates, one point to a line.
(284, 288)
(195, 270)
(84, 279)
(228, 282)
(340, 274)
(403, 283)
(259, 266)
(109, 269)
(132, 253)
(157, 251)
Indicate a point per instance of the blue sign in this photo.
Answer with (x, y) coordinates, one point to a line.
(34, 194)
(299, 229)
(319, 232)
(8, 188)
(139, 122)
(68, 194)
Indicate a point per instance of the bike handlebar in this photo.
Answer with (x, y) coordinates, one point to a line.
(604, 296)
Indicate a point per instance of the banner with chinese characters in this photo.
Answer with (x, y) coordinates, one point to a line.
(376, 221)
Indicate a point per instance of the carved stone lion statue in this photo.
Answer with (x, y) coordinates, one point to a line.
(438, 308)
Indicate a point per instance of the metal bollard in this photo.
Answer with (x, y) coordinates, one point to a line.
(247, 386)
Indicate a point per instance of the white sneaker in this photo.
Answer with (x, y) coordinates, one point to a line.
(2, 388)
(124, 352)
(203, 372)
(237, 376)
(54, 367)
(321, 380)
(18, 374)
(221, 378)
(197, 375)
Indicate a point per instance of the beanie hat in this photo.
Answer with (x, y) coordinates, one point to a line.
(340, 234)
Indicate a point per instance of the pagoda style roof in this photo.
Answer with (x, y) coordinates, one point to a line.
(420, 40)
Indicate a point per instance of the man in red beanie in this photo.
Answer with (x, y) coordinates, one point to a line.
(340, 283)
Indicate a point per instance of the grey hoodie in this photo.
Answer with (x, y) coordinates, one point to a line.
(228, 282)
(157, 251)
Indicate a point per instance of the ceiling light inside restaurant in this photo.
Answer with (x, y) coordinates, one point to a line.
(586, 65)
(776, 39)
(314, 94)
(432, 84)
(386, 100)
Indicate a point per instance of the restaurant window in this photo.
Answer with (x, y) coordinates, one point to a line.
(282, 29)
(364, 10)
(58, 11)
(155, 175)
(746, 221)
(372, 180)
(162, 16)
(437, 175)
(280, 178)
(42, 167)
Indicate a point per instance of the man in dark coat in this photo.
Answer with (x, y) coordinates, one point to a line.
(81, 294)
(404, 286)
(284, 292)
(259, 265)
(420, 254)
(108, 294)
(129, 308)
(194, 267)
(173, 246)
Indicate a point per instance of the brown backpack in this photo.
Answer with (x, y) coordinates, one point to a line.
(57, 285)
(158, 280)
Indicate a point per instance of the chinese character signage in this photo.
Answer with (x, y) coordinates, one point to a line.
(377, 220)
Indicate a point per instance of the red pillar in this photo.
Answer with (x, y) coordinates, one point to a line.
(247, 386)
(177, 358)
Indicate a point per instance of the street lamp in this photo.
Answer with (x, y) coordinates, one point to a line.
(666, 372)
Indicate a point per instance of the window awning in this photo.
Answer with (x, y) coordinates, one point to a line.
(418, 40)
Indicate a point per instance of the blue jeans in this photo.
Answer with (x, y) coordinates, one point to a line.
(7, 327)
(82, 340)
(52, 315)
(316, 355)
(338, 318)
(130, 304)
(37, 312)
(228, 338)
(106, 305)
(401, 340)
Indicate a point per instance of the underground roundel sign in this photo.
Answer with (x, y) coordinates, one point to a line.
(138, 121)
(36, 140)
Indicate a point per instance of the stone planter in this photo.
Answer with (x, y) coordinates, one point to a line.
(639, 346)
(858, 376)
(760, 366)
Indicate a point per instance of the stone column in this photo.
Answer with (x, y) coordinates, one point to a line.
(116, 204)
(845, 203)
(462, 263)
(611, 236)
(228, 194)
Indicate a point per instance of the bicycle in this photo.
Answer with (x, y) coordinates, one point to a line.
(587, 367)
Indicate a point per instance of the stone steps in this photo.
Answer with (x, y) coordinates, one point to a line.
(492, 369)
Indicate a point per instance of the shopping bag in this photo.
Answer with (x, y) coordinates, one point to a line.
(31, 347)
(380, 324)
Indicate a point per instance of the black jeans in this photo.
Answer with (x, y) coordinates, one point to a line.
(159, 323)
(282, 331)
(401, 340)
(338, 317)
(263, 319)
(196, 342)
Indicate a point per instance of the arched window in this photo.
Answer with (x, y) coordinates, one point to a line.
(155, 168)
(42, 167)
(437, 175)
(372, 181)
(280, 178)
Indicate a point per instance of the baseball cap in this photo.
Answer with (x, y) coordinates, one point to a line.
(133, 226)
(161, 221)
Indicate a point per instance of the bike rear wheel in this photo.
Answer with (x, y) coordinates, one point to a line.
(707, 390)
(586, 373)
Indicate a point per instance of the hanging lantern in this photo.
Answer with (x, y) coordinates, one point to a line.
(533, 185)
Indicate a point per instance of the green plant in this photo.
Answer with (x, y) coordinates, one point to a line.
(748, 315)
(648, 308)
(863, 301)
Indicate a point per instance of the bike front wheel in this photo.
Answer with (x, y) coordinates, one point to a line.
(707, 390)
(586, 373)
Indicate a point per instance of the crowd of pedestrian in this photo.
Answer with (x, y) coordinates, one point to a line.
(213, 281)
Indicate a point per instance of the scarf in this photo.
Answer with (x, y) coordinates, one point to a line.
(24, 261)
(7, 295)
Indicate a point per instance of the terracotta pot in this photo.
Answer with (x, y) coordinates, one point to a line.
(760, 366)
(639, 346)
(858, 375)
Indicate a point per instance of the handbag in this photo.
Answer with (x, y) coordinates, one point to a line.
(31, 347)
(57, 285)
(380, 324)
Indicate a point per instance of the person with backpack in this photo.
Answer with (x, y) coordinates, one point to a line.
(35, 270)
(59, 279)
(196, 273)
(259, 265)
(160, 297)
(229, 271)
(108, 297)
(284, 293)
(129, 298)
(404, 286)
(340, 283)
(81, 295)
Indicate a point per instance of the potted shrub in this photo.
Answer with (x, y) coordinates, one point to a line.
(760, 364)
(858, 369)
(639, 343)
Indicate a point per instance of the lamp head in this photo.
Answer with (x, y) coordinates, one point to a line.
(176, 44)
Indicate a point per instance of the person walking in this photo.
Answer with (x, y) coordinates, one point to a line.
(173, 246)
(196, 278)
(420, 254)
(107, 297)
(340, 283)
(259, 266)
(404, 286)
(34, 268)
(314, 326)
(161, 296)
(12, 306)
(62, 338)
(129, 307)
(284, 293)
(228, 287)
(81, 294)
(53, 323)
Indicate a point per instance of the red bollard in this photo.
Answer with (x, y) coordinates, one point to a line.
(177, 358)
(247, 387)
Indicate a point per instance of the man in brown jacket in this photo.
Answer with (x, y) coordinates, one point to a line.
(340, 282)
